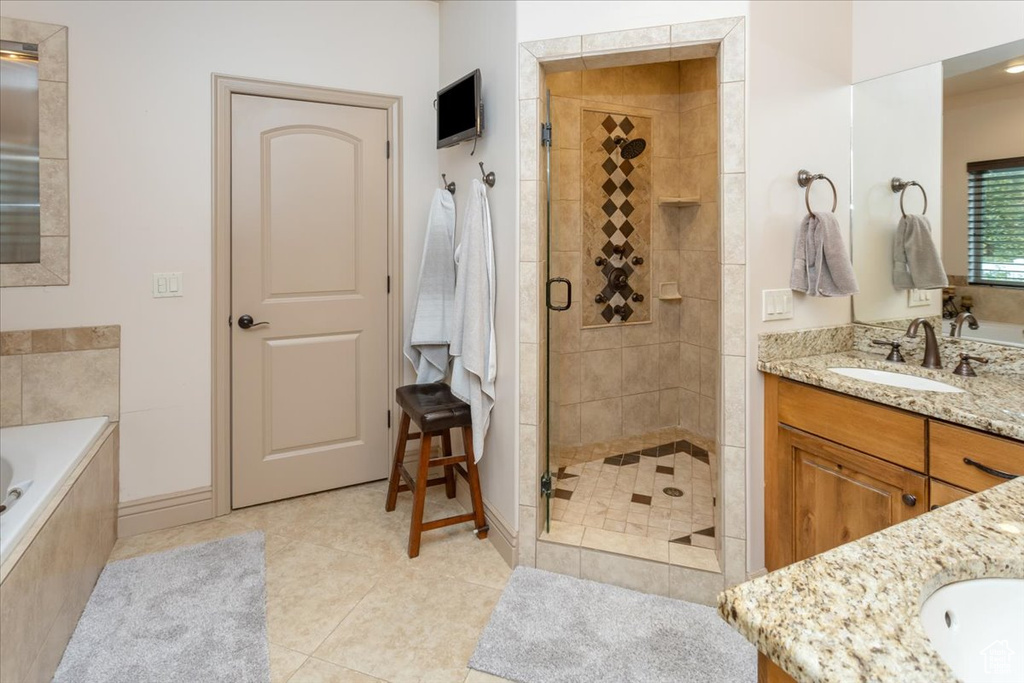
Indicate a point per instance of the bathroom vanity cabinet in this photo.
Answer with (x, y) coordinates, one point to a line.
(838, 468)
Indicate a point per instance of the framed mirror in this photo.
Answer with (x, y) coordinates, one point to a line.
(943, 145)
(34, 218)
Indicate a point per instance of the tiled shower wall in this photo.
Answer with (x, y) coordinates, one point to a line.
(629, 379)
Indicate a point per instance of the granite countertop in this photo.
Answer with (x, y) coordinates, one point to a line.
(851, 613)
(991, 402)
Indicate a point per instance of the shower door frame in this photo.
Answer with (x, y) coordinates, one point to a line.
(724, 38)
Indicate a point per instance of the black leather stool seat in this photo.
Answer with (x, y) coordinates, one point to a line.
(433, 407)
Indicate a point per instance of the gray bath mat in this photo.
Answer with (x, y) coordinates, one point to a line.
(190, 614)
(550, 628)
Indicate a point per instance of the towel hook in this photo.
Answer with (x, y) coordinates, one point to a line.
(488, 177)
(900, 185)
(448, 186)
(805, 179)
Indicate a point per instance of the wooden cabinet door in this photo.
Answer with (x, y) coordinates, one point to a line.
(839, 495)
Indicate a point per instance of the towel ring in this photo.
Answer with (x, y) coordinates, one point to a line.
(806, 179)
(900, 185)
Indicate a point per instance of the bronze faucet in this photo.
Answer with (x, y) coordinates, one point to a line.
(957, 325)
(931, 345)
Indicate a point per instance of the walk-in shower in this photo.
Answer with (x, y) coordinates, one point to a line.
(633, 348)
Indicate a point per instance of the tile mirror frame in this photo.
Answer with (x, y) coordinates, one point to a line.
(53, 267)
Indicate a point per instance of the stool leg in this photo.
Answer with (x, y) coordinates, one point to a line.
(396, 469)
(474, 483)
(449, 470)
(419, 497)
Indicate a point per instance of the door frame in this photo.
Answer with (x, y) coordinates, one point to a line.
(223, 87)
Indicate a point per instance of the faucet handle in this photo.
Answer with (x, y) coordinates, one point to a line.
(894, 355)
(964, 369)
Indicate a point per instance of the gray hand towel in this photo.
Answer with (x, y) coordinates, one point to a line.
(821, 264)
(916, 262)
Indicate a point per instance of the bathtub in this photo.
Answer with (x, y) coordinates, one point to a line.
(996, 333)
(35, 462)
(56, 536)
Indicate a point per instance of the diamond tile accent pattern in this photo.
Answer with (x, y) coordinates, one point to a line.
(616, 218)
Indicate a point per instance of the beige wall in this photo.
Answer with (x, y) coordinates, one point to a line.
(140, 116)
(624, 380)
(976, 126)
(482, 35)
(893, 35)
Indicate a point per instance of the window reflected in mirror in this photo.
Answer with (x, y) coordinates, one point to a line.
(19, 152)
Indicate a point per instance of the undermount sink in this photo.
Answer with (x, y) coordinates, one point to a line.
(977, 627)
(895, 379)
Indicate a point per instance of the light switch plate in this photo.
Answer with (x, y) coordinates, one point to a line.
(167, 285)
(918, 297)
(776, 304)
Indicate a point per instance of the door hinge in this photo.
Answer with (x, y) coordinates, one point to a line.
(389, 284)
(389, 419)
(388, 146)
(545, 134)
(545, 484)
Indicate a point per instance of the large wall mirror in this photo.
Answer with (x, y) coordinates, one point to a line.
(938, 195)
(34, 223)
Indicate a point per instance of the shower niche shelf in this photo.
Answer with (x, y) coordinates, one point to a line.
(679, 201)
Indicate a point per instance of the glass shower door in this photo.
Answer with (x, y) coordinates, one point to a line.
(558, 300)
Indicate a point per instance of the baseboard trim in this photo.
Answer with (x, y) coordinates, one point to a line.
(500, 534)
(164, 511)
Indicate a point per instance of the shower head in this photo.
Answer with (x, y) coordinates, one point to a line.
(630, 149)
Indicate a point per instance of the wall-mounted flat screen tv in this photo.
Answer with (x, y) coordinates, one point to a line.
(460, 113)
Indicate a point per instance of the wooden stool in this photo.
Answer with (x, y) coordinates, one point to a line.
(435, 410)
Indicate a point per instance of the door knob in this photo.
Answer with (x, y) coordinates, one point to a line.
(245, 322)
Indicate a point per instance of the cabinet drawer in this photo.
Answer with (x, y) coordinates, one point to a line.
(952, 448)
(943, 494)
(883, 432)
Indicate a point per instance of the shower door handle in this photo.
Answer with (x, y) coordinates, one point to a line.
(568, 294)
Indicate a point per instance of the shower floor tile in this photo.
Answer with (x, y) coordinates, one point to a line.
(656, 486)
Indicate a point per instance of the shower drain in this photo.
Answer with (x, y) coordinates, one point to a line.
(672, 491)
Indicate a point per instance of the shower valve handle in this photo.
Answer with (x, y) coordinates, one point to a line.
(599, 299)
(618, 249)
(600, 261)
(638, 260)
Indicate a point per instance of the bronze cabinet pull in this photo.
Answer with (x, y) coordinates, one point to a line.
(989, 470)
(909, 499)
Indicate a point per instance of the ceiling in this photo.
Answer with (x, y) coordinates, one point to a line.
(983, 70)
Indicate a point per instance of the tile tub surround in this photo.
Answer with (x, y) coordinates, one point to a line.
(620, 487)
(59, 374)
(46, 585)
(539, 59)
(852, 613)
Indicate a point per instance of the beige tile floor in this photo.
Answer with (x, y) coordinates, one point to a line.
(344, 602)
(629, 498)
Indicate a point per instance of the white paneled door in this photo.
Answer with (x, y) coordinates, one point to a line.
(309, 262)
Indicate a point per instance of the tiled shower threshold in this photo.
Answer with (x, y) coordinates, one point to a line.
(564, 533)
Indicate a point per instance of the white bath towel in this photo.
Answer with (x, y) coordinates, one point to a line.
(427, 344)
(916, 263)
(821, 264)
(473, 348)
